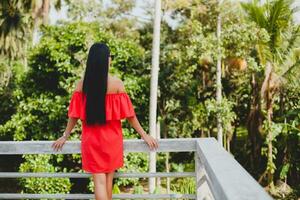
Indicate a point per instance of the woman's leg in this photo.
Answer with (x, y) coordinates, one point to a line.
(109, 184)
(100, 186)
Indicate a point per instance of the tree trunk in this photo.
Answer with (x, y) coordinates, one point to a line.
(270, 145)
(218, 80)
(45, 11)
(39, 11)
(254, 123)
(268, 93)
(153, 88)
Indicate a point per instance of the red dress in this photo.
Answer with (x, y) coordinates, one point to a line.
(102, 145)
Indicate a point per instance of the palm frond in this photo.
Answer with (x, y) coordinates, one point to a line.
(290, 70)
(292, 74)
(256, 13)
(291, 42)
(276, 16)
(15, 27)
(280, 18)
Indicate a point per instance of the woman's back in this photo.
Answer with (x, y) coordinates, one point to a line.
(114, 85)
(102, 144)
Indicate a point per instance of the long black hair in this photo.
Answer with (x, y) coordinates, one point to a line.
(95, 83)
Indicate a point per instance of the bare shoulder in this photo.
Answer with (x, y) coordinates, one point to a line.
(120, 85)
(79, 85)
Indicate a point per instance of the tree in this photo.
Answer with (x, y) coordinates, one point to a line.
(14, 26)
(276, 17)
(19, 23)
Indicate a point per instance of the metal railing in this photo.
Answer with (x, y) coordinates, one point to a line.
(218, 175)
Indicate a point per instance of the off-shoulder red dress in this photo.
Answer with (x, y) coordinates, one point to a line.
(102, 145)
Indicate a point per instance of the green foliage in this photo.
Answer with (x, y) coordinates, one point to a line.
(133, 162)
(138, 189)
(116, 189)
(287, 142)
(244, 40)
(5, 73)
(56, 63)
(205, 115)
(284, 171)
(10, 73)
(184, 186)
(41, 163)
(275, 129)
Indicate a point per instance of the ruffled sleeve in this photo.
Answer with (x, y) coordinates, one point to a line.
(75, 109)
(119, 106)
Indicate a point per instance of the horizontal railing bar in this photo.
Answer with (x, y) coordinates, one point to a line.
(228, 180)
(70, 147)
(87, 175)
(92, 196)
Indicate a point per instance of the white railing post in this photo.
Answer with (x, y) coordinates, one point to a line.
(202, 188)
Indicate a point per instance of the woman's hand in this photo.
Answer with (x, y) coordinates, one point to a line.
(59, 143)
(134, 122)
(152, 143)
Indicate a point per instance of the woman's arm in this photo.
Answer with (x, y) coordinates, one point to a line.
(134, 122)
(58, 144)
(70, 125)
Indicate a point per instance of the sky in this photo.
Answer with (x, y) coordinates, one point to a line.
(137, 11)
(62, 14)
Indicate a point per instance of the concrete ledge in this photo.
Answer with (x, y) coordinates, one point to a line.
(87, 175)
(70, 147)
(227, 178)
(91, 196)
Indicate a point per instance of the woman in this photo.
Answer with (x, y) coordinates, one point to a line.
(100, 101)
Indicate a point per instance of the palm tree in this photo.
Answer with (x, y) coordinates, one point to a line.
(19, 20)
(14, 24)
(276, 17)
